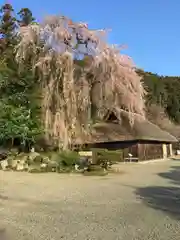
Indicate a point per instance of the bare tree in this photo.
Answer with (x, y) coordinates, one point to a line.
(107, 79)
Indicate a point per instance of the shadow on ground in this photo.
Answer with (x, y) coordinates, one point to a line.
(176, 158)
(27, 201)
(3, 197)
(173, 175)
(3, 234)
(166, 199)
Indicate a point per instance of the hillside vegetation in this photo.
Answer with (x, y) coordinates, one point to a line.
(163, 101)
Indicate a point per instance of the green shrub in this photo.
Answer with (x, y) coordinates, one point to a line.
(54, 156)
(38, 159)
(52, 166)
(95, 168)
(62, 162)
(18, 122)
(68, 158)
(110, 156)
(13, 152)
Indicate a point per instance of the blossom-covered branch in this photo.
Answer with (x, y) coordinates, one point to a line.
(106, 79)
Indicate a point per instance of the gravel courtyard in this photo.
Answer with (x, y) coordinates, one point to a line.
(143, 203)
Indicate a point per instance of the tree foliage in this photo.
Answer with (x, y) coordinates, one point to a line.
(18, 108)
(16, 123)
(26, 17)
(7, 27)
(163, 91)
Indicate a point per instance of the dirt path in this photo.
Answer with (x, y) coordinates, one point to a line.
(141, 204)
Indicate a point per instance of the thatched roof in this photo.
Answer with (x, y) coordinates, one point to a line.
(157, 115)
(141, 129)
(175, 131)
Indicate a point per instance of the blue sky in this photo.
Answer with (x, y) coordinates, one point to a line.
(150, 28)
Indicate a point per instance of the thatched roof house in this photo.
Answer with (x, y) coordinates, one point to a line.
(141, 129)
(142, 138)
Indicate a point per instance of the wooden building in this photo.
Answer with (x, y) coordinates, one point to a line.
(141, 140)
(174, 130)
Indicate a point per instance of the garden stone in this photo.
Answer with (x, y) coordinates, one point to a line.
(20, 166)
(4, 164)
(43, 165)
(14, 163)
(34, 168)
(45, 160)
(33, 155)
(26, 167)
(22, 159)
(3, 153)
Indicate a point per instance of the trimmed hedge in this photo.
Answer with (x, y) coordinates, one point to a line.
(109, 155)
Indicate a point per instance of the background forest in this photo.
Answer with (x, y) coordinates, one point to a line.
(20, 108)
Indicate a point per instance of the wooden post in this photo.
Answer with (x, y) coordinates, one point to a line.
(94, 156)
(170, 148)
(164, 147)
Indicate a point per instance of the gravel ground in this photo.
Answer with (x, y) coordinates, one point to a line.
(143, 203)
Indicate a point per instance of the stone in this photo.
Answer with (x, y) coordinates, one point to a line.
(33, 155)
(20, 166)
(4, 164)
(45, 160)
(43, 165)
(26, 167)
(14, 163)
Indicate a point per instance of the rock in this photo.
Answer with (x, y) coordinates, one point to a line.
(32, 149)
(26, 167)
(43, 165)
(3, 153)
(20, 166)
(4, 164)
(46, 160)
(76, 167)
(12, 163)
(35, 170)
(33, 155)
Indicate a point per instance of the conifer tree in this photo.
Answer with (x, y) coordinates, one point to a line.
(8, 26)
(26, 17)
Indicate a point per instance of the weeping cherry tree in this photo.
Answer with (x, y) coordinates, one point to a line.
(81, 77)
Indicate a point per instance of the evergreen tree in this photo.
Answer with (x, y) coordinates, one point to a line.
(26, 17)
(8, 26)
(163, 91)
(17, 89)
